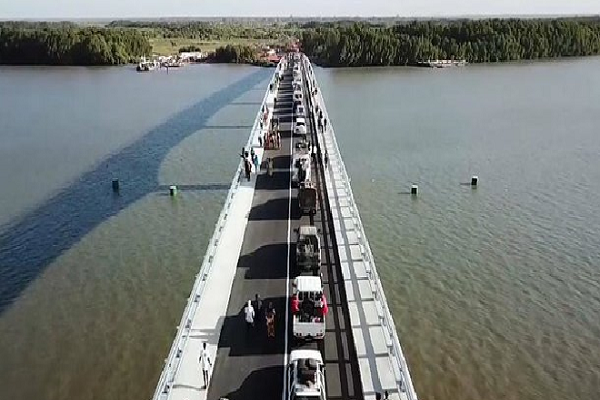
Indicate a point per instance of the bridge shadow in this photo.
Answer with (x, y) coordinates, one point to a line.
(280, 180)
(274, 210)
(30, 244)
(266, 262)
(262, 384)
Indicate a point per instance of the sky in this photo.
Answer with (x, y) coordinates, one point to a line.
(70, 9)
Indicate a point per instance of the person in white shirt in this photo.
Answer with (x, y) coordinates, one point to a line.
(249, 313)
(205, 363)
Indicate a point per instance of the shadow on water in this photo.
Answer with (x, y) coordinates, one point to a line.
(32, 243)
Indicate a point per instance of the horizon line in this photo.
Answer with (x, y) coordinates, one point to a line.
(441, 16)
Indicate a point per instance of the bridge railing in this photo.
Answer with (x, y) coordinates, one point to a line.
(173, 360)
(403, 378)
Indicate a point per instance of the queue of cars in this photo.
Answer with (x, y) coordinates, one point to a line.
(306, 370)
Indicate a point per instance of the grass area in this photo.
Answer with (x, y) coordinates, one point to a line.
(167, 46)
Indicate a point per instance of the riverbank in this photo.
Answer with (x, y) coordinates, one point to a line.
(329, 44)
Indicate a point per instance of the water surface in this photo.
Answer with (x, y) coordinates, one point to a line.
(495, 291)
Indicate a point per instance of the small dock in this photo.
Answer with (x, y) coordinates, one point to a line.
(251, 252)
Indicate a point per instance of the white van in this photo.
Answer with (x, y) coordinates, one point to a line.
(301, 169)
(306, 376)
(298, 95)
(300, 127)
(309, 308)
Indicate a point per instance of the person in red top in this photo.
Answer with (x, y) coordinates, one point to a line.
(324, 309)
(295, 304)
(325, 306)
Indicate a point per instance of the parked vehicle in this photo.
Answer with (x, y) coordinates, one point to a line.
(306, 376)
(301, 168)
(299, 112)
(308, 250)
(300, 127)
(298, 94)
(307, 198)
(309, 308)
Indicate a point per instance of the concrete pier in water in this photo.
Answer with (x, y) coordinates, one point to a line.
(251, 252)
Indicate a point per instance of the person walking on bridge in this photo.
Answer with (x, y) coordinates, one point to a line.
(258, 305)
(249, 314)
(255, 161)
(205, 363)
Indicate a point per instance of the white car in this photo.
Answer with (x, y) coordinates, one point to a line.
(306, 376)
(298, 95)
(300, 127)
(301, 163)
(309, 308)
(300, 112)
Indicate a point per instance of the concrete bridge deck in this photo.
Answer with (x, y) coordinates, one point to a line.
(251, 253)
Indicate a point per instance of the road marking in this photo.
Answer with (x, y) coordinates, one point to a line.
(287, 280)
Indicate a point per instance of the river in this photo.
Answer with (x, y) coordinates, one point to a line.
(495, 290)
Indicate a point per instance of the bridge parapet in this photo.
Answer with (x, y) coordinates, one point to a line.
(382, 363)
(181, 364)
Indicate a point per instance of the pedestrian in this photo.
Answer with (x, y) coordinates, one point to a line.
(205, 363)
(270, 319)
(249, 314)
(325, 124)
(278, 140)
(260, 140)
(326, 159)
(258, 304)
(255, 160)
(261, 125)
(247, 168)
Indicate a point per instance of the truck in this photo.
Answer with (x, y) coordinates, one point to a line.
(307, 198)
(306, 376)
(309, 308)
(308, 250)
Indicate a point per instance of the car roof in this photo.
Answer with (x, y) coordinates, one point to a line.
(300, 119)
(300, 354)
(308, 230)
(309, 284)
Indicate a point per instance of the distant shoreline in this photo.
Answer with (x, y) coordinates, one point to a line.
(341, 43)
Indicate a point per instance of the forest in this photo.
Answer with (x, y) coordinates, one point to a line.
(333, 43)
(70, 45)
(477, 41)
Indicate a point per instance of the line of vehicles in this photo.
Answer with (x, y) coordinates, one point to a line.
(305, 370)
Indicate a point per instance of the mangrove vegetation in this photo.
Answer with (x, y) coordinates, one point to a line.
(333, 43)
(476, 41)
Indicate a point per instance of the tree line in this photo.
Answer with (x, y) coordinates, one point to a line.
(210, 31)
(70, 45)
(333, 43)
(491, 40)
(239, 54)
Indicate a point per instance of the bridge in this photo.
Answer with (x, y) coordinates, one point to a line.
(251, 253)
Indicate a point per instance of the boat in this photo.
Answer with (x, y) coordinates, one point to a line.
(442, 63)
(146, 66)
